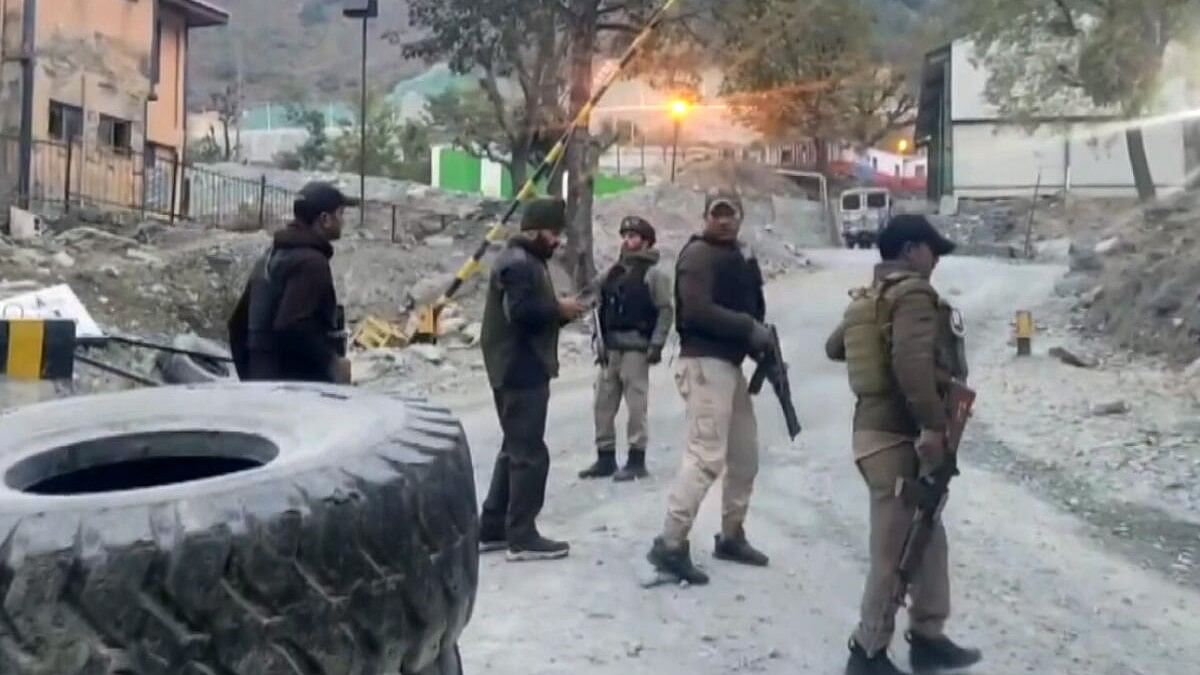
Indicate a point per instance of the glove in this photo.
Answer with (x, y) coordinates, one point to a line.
(760, 337)
(654, 355)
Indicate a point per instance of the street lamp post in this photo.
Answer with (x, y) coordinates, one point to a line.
(365, 10)
(679, 110)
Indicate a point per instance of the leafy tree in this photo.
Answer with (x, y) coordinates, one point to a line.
(414, 142)
(228, 104)
(1047, 57)
(314, 151)
(603, 27)
(384, 151)
(807, 68)
(497, 41)
(470, 121)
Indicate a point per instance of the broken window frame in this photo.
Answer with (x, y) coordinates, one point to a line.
(114, 133)
(64, 122)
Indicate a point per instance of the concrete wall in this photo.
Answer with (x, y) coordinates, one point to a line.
(11, 14)
(166, 116)
(997, 160)
(94, 54)
(1081, 149)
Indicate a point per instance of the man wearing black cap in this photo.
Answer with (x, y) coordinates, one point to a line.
(285, 325)
(636, 313)
(720, 305)
(902, 344)
(521, 320)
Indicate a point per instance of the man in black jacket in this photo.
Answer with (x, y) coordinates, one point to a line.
(519, 338)
(285, 325)
(720, 306)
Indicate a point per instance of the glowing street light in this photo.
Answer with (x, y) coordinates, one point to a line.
(678, 109)
(902, 145)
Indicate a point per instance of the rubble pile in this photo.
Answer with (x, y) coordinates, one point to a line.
(1001, 226)
(1136, 277)
(159, 280)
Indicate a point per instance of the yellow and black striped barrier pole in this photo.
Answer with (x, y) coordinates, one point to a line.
(37, 349)
(427, 316)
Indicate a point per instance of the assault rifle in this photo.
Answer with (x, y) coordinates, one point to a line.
(599, 347)
(929, 493)
(772, 367)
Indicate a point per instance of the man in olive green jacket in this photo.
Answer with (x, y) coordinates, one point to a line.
(898, 434)
(519, 337)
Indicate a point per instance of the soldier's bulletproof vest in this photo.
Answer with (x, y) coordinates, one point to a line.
(868, 330)
(951, 342)
(627, 304)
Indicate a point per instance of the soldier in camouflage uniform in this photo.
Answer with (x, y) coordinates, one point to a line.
(902, 344)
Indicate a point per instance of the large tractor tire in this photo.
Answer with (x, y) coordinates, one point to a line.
(178, 368)
(254, 529)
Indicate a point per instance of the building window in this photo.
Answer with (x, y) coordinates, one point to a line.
(66, 121)
(115, 133)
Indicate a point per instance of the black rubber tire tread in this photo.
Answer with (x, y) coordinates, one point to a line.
(184, 369)
(366, 566)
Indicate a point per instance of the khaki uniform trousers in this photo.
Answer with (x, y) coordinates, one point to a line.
(627, 374)
(884, 458)
(722, 439)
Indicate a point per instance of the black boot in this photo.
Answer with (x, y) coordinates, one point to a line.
(635, 467)
(538, 548)
(861, 664)
(737, 549)
(492, 540)
(605, 466)
(927, 654)
(676, 562)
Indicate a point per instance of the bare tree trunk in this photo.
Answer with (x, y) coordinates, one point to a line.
(821, 147)
(228, 149)
(518, 167)
(581, 258)
(1142, 178)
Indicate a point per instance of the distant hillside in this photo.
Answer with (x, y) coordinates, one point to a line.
(287, 48)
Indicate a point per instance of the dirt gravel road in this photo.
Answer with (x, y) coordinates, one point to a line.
(1038, 588)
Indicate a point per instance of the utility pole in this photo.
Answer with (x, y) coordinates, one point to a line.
(28, 50)
(679, 110)
(364, 10)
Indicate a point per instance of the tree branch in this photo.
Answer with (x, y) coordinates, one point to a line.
(490, 87)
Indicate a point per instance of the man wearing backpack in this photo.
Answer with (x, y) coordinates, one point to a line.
(902, 345)
(285, 325)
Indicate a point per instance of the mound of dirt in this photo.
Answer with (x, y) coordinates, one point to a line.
(1137, 278)
(747, 177)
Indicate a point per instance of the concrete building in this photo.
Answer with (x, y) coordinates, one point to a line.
(104, 83)
(976, 152)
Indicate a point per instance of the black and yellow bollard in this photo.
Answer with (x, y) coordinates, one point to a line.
(37, 349)
(1024, 332)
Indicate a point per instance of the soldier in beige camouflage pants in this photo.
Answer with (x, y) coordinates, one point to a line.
(720, 309)
(636, 313)
(722, 439)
